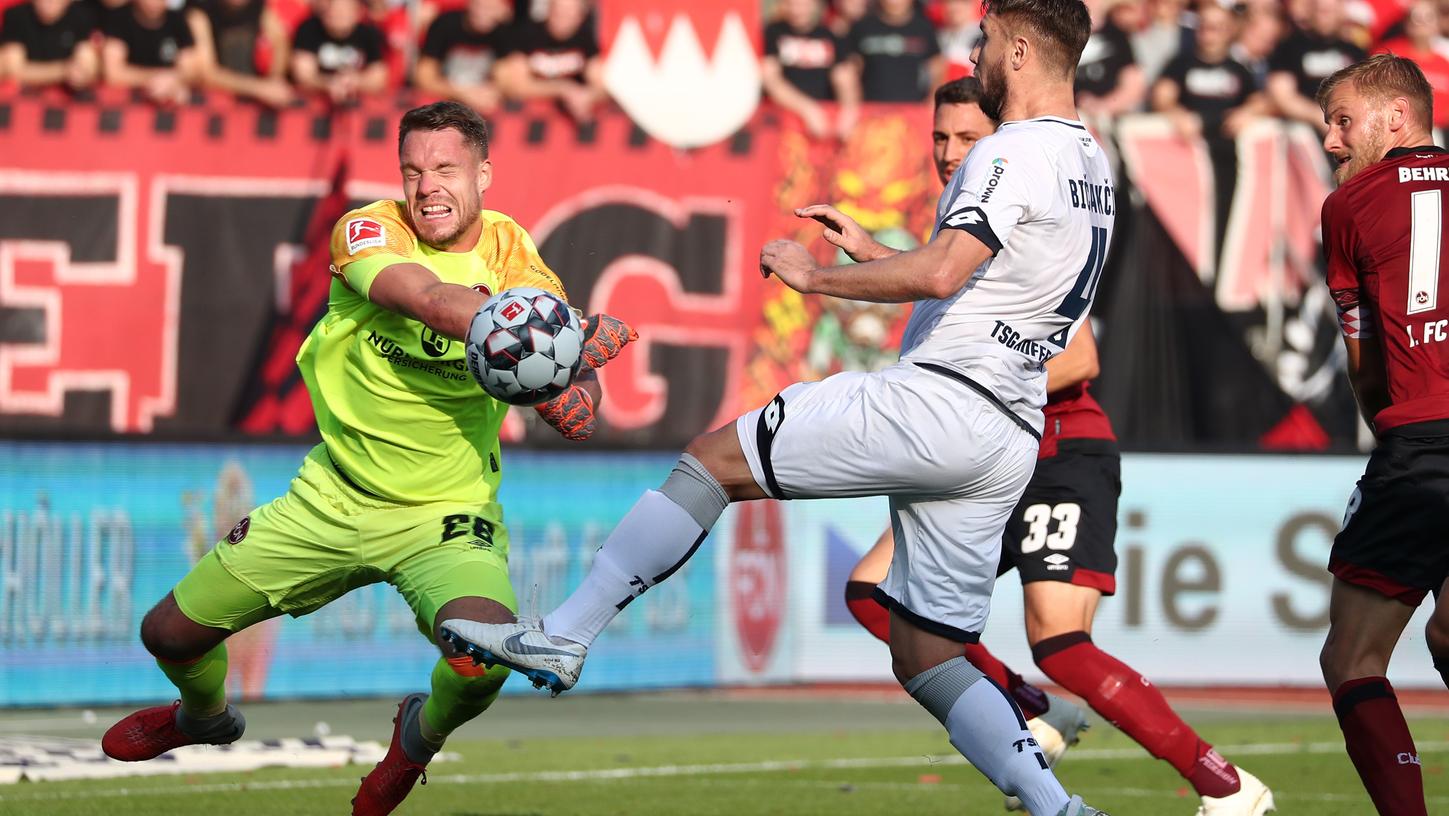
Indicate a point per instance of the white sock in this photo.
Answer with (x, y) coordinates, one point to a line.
(648, 545)
(988, 729)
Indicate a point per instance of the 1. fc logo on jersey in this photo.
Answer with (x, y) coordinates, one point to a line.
(363, 233)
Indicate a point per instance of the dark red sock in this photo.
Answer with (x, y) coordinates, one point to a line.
(1380, 745)
(875, 618)
(1128, 701)
(1031, 700)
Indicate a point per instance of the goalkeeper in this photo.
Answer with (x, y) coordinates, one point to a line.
(404, 486)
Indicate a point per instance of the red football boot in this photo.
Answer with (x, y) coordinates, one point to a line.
(393, 778)
(151, 732)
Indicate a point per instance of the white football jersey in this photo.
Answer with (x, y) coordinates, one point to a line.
(1039, 193)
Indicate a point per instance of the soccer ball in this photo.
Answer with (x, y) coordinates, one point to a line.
(525, 346)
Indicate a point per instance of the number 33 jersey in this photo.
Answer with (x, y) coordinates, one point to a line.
(1039, 194)
(1383, 234)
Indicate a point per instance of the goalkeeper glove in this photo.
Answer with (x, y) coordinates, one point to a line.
(570, 413)
(604, 337)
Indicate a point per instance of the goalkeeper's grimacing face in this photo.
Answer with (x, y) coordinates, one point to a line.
(444, 180)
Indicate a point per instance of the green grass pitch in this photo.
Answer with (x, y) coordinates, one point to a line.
(722, 753)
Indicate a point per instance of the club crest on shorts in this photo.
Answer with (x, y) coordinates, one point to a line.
(240, 531)
(363, 233)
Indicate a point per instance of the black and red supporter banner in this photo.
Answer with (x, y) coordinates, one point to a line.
(159, 268)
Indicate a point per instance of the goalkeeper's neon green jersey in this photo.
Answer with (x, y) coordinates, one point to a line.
(400, 414)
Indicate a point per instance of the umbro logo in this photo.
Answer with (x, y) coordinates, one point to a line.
(967, 217)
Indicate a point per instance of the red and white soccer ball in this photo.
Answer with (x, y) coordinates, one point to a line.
(525, 346)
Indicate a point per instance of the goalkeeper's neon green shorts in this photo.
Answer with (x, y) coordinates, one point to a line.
(325, 537)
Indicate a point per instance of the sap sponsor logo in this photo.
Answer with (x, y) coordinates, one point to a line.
(1016, 341)
(1406, 758)
(1423, 174)
(998, 168)
(363, 233)
(1091, 197)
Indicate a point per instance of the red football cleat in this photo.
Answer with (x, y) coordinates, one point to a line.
(393, 778)
(151, 732)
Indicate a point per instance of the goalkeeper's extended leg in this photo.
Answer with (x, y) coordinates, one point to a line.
(193, 657)
(460, 692)
(664, 528)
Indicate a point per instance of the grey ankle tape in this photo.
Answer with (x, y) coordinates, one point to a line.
(228, 723)
(691, 486)
(938, 688)
(414, 744)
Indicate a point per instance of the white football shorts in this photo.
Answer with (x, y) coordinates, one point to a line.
(953, 461)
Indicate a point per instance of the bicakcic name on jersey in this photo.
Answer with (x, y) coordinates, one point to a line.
(1014, 340)
(1096, 198)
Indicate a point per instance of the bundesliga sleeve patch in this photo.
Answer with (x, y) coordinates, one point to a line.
(364, 233)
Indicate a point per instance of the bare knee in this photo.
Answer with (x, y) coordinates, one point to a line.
(1436, 635)
(169, 635)
(1327, 664)
(720, 453)
(708, 450)
(1341, 661)
(474, 608)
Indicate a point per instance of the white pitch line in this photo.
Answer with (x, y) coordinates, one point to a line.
(846, 786)
(658, 771)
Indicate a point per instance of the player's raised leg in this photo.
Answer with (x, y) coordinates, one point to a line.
(1059, 624)
(1363, 628)
(185, 633)
(663, 529)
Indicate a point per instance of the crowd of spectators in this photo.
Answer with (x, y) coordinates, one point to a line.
(1210, 66)
(279, 52)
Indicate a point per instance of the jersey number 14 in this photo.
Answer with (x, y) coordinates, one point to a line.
(1085, 288)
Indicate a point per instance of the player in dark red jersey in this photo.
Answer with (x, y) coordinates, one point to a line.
(1383, 234)
(1060, 538)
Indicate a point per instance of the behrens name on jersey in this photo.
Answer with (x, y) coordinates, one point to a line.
(1423, 174)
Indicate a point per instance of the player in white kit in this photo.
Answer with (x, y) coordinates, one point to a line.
(949, 433)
